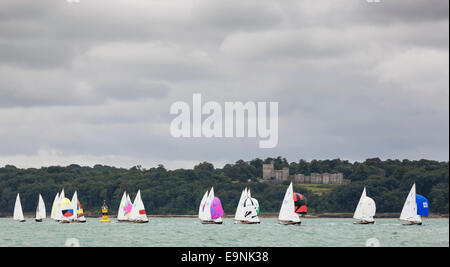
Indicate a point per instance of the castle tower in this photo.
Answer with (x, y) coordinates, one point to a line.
(268, 171)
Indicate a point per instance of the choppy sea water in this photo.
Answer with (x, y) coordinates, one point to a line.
(189, 232)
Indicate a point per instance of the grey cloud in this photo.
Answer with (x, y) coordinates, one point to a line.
(95, 80)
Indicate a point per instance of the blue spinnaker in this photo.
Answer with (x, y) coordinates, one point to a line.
(422, 205)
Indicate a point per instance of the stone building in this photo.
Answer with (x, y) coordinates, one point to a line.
(269, 173)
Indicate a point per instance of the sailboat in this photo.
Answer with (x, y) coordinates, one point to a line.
(247, 210)
(78, 213)
(18, 213)
(365, 210)
(137, 214)
(40, 210)
(415, 206)
(212, 210)
(125, 207)
(287, 211)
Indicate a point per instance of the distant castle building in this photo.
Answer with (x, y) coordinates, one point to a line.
(279, 176)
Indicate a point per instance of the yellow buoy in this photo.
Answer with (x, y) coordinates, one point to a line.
(105, 218)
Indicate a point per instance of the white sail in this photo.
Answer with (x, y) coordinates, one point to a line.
(120, 213)
(240, 211)
(40, 210)
(18, 213)
(61, 196)
(366, 208)
(55, 202)
(58, 209)
(359, 207)
(138, 210)
(287, 211)
(409, 211)
(369, 209)
(201, 211)
(74, 206)
(248, 193)
(251, 207)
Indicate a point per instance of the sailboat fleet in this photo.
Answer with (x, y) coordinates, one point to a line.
(210, 210)
(67, 211)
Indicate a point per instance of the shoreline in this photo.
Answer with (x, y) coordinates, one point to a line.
(268, 215)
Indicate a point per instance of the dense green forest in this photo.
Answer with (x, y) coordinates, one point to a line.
(180, 191)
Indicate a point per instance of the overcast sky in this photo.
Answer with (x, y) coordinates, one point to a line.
(92, 82)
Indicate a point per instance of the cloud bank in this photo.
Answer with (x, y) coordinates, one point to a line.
(92, 82)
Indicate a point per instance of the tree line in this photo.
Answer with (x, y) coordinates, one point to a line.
(180, 191)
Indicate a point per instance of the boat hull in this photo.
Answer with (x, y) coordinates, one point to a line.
(246, 222)
(412, 223)
(364, 222)
(211, 222)
(139, 221)
(289, 222)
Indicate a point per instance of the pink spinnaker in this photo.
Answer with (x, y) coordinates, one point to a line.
(216, 209)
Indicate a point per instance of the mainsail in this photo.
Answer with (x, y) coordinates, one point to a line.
(40, 210)
(55, 203)
(409, 211)
(74, 201)
(18, 213)
(202, 214)
(240, 211)
(287, 210)
(365, 210)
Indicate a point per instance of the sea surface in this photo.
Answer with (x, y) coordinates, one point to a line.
(189, 232)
